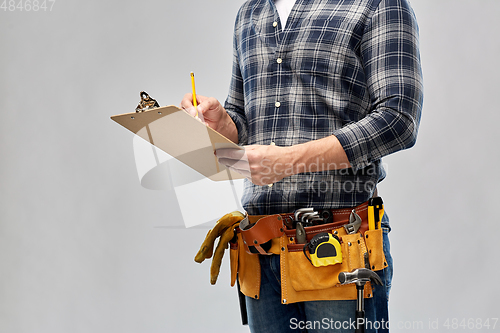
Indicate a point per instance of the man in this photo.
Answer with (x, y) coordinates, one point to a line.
(317, 99)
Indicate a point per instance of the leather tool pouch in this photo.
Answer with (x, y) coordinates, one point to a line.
(300, 280)
(258, 236)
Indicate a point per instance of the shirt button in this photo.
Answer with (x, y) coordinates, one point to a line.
(275, 24)
(277, 104)
(279, 60)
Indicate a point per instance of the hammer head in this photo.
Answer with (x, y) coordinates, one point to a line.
(359, 276)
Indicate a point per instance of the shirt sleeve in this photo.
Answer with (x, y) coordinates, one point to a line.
(235, 101)
(390, 58)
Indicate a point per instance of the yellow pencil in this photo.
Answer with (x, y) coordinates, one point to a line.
(194, 95)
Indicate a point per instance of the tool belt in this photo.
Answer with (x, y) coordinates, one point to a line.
(300, 279)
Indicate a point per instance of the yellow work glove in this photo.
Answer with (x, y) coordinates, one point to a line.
(224, 228)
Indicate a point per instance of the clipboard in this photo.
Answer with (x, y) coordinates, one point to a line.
(180, 135)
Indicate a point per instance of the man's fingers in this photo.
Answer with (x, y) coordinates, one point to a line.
(234, 159)
(237, 160)
(187, 105)
(187, 101)
(244, 172)
(231, 154)
(240, 166)
(207, 103)
(191, 110)
(236, 164)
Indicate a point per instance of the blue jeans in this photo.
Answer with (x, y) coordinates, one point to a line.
(267, 314)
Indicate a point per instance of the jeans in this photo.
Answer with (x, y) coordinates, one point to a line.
(267, 314)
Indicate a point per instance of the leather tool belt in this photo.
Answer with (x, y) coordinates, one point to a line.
(258, 231)
(300, 280)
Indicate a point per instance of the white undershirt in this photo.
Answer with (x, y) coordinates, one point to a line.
(284, 8)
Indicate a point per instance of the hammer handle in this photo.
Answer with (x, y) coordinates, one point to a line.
(360, 322)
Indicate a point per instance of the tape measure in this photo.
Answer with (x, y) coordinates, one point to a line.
(324, 249)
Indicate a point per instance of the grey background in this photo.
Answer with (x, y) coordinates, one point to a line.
(85, 248)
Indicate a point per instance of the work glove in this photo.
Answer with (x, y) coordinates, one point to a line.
(224, 229)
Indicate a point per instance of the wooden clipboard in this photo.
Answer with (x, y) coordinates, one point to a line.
(180, 135)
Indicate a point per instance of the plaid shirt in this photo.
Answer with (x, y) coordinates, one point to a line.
(349, 68)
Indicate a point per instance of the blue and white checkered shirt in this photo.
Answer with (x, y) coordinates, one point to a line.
(350, 68)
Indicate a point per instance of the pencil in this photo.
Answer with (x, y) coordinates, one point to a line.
(194, 95)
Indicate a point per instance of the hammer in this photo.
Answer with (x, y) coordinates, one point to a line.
(360, 277)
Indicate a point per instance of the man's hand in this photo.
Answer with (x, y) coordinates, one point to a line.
(262, 165)
(211, 112)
